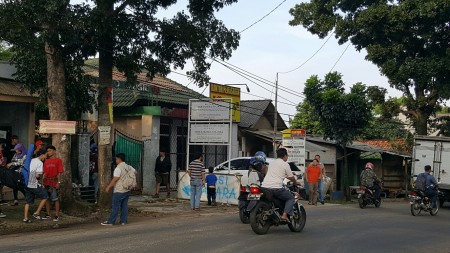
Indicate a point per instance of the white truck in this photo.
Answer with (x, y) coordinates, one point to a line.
(433, 151)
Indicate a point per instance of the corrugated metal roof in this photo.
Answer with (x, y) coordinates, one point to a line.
(12, 88)
(252, 111)
(169, 90)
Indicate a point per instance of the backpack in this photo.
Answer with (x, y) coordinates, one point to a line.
(128, 178)
(420, 183)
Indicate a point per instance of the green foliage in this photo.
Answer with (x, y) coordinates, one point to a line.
(384, 129)
(142, 40)
(407, 40)
(306, 119)
(27, 25)
(342, 116)
(5, 52)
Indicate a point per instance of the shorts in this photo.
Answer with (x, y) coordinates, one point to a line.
(52, 193)
(162, 179)
(33, 193)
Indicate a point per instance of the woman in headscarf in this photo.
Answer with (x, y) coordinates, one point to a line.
(16, 163)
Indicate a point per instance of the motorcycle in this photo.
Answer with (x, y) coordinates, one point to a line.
(366, 197)
(266, 210)
(244, 215)
(420, 202)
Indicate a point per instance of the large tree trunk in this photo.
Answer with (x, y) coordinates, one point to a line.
(421, 122)
(345, 176)
(106, 47)
(58, 111)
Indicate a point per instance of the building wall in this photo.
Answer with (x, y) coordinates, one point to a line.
(263, 124)
(20, 118)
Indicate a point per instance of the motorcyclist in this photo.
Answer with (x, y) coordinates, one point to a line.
(279, 170)
(368, 177)
(257, 162)
(430, 186)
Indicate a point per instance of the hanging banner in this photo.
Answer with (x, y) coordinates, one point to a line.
(110, 104)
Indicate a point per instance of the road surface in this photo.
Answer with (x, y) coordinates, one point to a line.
(329, 228)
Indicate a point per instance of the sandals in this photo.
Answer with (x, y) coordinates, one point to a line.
(27, 221)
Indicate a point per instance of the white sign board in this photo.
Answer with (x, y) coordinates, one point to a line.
(293, 142)
(227, 188)
(104, 137)
(3, 134)
(205, 110)
(209, 133)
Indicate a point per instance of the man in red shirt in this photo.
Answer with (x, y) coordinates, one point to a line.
(53, 168)
(312, 177)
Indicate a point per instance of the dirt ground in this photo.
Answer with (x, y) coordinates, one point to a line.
(139, 206)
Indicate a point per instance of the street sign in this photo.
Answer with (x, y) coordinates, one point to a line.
(206, 110)
(209, 133)
(224, 91)
(57, 127)
(294, 140)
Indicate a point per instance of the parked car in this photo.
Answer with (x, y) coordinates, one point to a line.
(241, 165)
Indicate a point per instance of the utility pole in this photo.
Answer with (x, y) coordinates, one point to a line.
(275, 119)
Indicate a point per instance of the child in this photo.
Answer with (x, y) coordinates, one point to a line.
(211, 180)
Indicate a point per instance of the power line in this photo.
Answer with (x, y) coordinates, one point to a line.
(243, 75)
(312, 56)
(263, 80)
(345, 50)
(259, 20)
(281, 102)
(191, 94)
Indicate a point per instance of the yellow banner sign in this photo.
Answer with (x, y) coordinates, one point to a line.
(224, 91)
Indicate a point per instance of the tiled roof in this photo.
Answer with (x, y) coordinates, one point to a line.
(169, 90)
(384, 144)
(252, 111)
(12, 88)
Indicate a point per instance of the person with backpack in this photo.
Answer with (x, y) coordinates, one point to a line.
(124, 179)
(427, 183)
(368, 177)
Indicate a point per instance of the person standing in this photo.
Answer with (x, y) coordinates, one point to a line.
(321, 180)
(16, 163)
(53, 168)
(312, 176)
(211, 181)
(196, 172)
(38, 146)
(163, 166)
(34, 189)
(121, 193)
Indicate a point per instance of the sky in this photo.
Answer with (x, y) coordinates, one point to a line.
(272, 46)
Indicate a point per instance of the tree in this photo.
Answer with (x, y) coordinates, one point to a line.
(46, 38)
(131, 37)
(407, 40)
(342, 116)
(5, 52)
(306, 119)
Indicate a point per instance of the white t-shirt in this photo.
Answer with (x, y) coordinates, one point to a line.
(278, 170)
(36, 168)
(117, 173)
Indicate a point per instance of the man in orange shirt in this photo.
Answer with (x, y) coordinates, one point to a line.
(312, 177)
(53, 168)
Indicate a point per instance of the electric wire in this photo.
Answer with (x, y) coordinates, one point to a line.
(312, 56)
(345, 50)
(259, 20)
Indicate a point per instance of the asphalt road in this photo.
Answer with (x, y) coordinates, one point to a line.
(337, 228)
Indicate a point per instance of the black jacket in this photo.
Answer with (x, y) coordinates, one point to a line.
(163, 167)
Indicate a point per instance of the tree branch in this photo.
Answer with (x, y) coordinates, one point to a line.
(122, 7)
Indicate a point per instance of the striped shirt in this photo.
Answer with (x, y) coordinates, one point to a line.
(196, 168)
